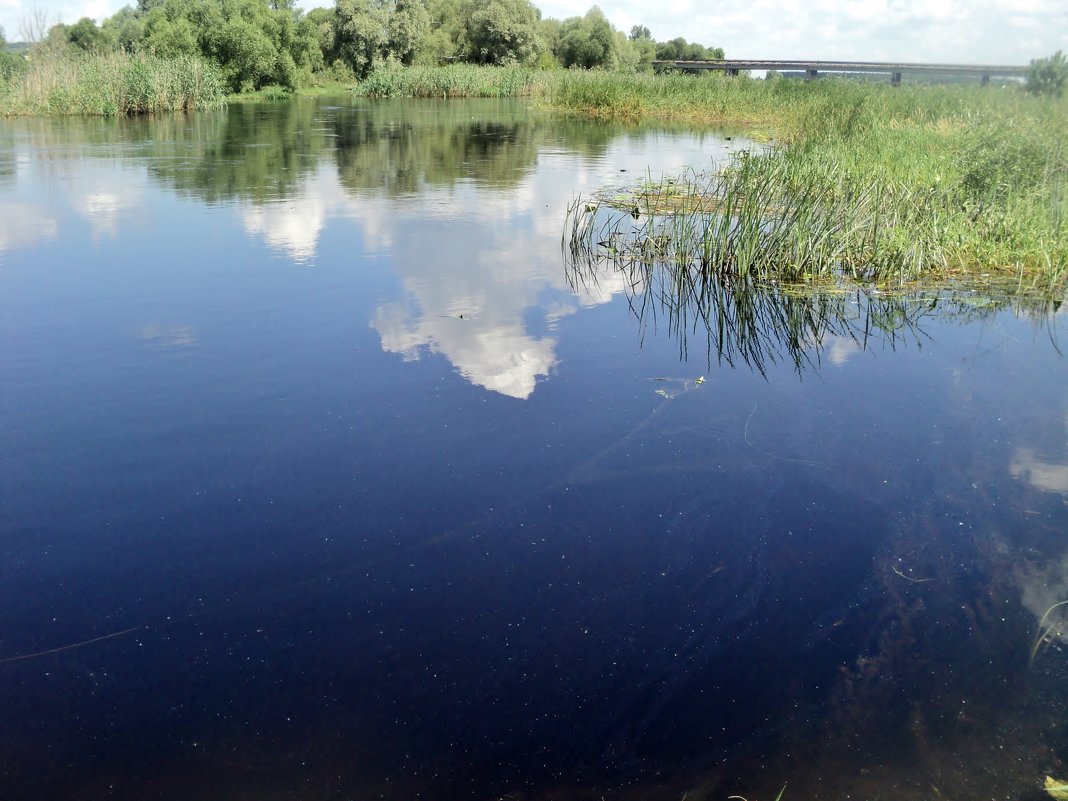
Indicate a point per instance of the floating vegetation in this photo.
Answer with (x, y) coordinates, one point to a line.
(678, 386)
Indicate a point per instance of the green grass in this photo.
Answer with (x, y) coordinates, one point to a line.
(114, 84)
(736, 320)
(863, 179)
(327, 89)
(869, 181)
(457, 80)
(265, 94)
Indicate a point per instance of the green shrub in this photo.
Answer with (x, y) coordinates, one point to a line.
(1003, 156)
(1047, 76)
(11, 65)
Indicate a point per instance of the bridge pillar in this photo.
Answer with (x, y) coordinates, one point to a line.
(733, 71)
(810, 74)
(895, 79)
(985, 80)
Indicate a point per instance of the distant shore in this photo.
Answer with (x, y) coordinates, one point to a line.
(890, 183)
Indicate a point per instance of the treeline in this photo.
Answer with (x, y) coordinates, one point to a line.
(259, 43)
(9, 62)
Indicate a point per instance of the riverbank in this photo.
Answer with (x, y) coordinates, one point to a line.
(882, 183)
(112, 84)
(879, 182)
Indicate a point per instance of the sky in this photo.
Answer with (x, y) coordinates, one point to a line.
(947, 31)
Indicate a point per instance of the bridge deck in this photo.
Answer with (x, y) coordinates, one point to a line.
(815, 67)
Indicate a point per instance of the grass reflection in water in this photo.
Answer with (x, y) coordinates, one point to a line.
(713, 262)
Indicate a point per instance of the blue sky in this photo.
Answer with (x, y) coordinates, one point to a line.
(960, 31)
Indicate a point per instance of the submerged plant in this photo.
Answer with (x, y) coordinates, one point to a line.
(743, 798)
(1047, 631)
(1057, 789)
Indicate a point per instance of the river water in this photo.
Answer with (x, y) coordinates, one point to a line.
(325, 475)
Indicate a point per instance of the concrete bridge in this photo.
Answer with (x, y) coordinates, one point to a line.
(813, 68)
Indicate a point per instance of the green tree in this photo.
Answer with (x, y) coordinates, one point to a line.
(501, 32)
(407, 30)
(445, 39)
(361, 33)
(644, 52)
(85, 35)
(10, 63)
(248, 57)
(124, 29)
(169, 32)
(679, 49)
(321, 21)
(255, 42)
(640, 32)
(1047, 76)
(58, 37)
(588, 41)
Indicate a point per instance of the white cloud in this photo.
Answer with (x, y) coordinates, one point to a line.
(841, 349)
(494, 287)
(959, 31)
(1042, 474)
(1042, 592)
(103, 206)
(905, 30)
(1045, 474)
(499, 287)
(22, 225)
(292, 226)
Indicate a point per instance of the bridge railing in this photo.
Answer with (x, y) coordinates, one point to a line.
(812, 69)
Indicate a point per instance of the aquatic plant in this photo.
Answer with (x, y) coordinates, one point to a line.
(112, 84)
(881, 183)
(1056, 789)
(1047, 630)
(788, 215)
(454, 80)
(748, 317)
(748, 321)
(767, 216)
(743, 798)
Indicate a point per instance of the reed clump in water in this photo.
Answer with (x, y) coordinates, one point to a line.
(455, 80)
(866, 180)
(769, 216)
(742, 320)
(803, 212)
(111, 84)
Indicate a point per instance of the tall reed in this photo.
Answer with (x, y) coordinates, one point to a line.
(112, 84)
(740, 319)
(872, 182)
(455, 80)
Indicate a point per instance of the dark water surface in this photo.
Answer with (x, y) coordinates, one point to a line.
(324, 477)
